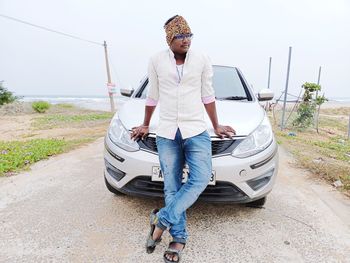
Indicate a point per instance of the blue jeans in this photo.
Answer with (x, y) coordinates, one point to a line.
(173, 154)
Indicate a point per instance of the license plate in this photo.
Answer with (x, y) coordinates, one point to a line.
(157, 175)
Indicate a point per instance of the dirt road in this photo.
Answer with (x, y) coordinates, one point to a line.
(61, 211)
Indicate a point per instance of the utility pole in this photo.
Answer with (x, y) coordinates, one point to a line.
(317, 114)
(267, 105)
(318, 79)
(268, 80)
(286, 89)
(110, 85)
(349, 129)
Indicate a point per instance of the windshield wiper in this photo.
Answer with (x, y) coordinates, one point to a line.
(233, 98)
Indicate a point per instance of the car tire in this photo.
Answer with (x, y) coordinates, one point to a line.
(112, 189)
(257, 203)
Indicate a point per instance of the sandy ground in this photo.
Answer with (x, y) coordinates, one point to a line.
(62, 212)
(14, 127)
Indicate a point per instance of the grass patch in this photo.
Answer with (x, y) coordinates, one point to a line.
(75, 118)
(17, 155)
(62, 120)
(332, 147)
(65, 105)
(335, 148)
(334, 123)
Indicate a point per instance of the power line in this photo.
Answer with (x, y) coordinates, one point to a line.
(114, 69)
(51, 30)
(115, 72)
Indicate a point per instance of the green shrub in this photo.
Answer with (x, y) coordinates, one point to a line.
(307, 108)
(305, 116)
(40, 106)
(6, 96)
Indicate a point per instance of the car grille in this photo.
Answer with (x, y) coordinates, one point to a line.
(218, 147)
(221, 192)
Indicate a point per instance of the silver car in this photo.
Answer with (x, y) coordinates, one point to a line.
(244, 167)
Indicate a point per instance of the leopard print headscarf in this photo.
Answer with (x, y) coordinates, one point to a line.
(176, 26)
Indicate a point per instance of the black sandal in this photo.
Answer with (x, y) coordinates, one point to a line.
(150, 243)
(174, 252)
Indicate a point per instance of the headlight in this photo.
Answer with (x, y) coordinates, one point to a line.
(121, 137)
(256, 142)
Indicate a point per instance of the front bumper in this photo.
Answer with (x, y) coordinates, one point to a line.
(237, 180)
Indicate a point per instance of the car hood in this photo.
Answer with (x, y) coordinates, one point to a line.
(244, 117)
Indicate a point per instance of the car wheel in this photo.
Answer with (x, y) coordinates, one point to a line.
(257, 203)
(112, 189)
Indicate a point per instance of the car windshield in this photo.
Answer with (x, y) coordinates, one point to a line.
(227, 83)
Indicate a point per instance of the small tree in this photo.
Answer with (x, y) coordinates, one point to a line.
(6, 96)
(307, 108)
(319, 101)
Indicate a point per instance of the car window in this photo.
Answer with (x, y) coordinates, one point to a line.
(227, 83)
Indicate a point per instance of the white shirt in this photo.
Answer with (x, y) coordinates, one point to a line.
(181, 94)
(180, 71)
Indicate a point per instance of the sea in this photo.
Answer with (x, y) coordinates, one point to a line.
(103, 103)
(339, 99)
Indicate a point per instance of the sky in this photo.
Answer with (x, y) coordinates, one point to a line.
(240, 33)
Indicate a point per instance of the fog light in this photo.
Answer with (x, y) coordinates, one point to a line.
(114, 172)
(260, 181)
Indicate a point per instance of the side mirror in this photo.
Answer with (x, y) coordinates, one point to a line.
(126, 92)
(265, 94)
